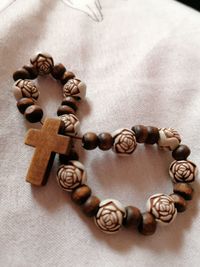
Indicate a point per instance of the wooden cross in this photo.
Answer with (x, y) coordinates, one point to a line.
(47, 142)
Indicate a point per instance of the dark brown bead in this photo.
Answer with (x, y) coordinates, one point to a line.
(32, 71)
(23, 103)
(148, 224)
(133, 217)
(64, 159)
(179, 202)
(67, 76)
(21, 74)
(58, 71)
(81, 194)
(105, 141)
(70, 101)
(33, 113)
(65, 110)
(153, 135)
(91, 206)
(141, 133)
(184, 190)
(90, 141)
(181, 152)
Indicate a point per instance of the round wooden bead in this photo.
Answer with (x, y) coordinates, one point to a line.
(33, 73)
(181, 152)
(33, 113)
(23, 103)
(105, 141)
(183, 171)
(110, 216)
(91, 206)
(162, 207)
(148, 224)
(184, 190)
(71, 122)
(67, 75)
(75, 88)
(153, 135)
(141, 133)
(179, 202)
(65, 110)
(25, 88)
(70, 101)
(169, 138)
(71, 176)
(43, 62)
(58, 71)
(21, 74)
(81, 194)
(90, 141)
(124, 141)
(133, 217)
(64, 159)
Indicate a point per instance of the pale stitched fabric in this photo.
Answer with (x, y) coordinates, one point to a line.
(141, 64)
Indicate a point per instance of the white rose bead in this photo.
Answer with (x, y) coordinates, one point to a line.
(71, 176)
(162, 207)
(169, 138)
(110, 216)
(25, 88)
(183, 171)
(75, 88)
(72, 124)
(43, 62)
(124, 141)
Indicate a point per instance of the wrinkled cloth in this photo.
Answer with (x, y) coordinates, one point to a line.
(141, 63)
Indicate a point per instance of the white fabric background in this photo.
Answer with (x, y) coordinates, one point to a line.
(141, 64)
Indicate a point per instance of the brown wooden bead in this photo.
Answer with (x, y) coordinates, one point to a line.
(179, 202)
(81, 194)
(133, 217)
(33, 113)
(105, 141)
(141, 133)
(153, 135)
(21, 74)
(148, 224)
(181, 152)
(90, 140)
(64, 159)
(66, 77)
(184, 190)
(65, 110)
(91, 206)
(32, 71)
(70, 101)
(23, 103)
(58, 71)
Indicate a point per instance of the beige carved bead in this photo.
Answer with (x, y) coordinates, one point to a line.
(124, 141)
(162, 207)
(72, 124)
(110, 216)
(75, 88)
(183, 171)
(25, 88)
(169, 138)
(71, 176)
(43, 62)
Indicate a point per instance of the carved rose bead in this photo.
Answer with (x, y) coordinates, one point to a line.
(75, 88)
(124, 141)
(169, 138)
(25, 88)
(71, 176)
(43, 63)
(110, 216)
(162, 207)
(71, 122)
(183, 171)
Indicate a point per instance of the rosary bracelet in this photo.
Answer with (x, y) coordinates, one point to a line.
(56, 136)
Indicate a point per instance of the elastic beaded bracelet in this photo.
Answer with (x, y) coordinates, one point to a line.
(56, 137)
